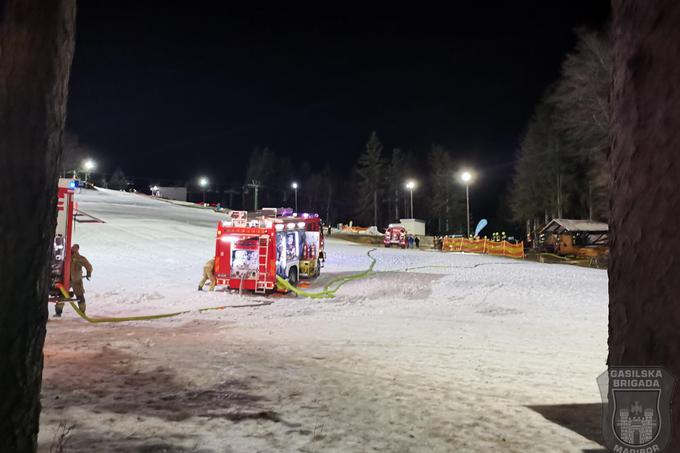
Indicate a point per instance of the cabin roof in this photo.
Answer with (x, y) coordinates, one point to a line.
(574, 225)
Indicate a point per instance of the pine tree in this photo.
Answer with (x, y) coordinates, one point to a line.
(262, 169)
(582, 110)
(370, 170)
(446, 200)
(329, 183)
(118, 180)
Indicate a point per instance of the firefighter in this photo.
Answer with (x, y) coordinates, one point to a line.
(208, 275)
(78, 262)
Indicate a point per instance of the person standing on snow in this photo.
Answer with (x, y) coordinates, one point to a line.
(208, 275)
(78, 262)
(417, 241)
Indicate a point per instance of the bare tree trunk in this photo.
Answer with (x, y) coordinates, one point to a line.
(375, 208)
(644, 313)
(328, 206)
(36, 48)
(590, 200)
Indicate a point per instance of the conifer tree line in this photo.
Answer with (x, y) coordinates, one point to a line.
(561, 165)
(560, 169)
(374, 191)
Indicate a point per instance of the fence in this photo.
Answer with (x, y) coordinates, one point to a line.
(502, 248)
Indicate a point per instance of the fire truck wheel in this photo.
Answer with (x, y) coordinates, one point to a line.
(387, 246)
(293, 276)
(317, 271)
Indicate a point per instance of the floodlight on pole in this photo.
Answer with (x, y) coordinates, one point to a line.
(203, 182)
(88, 166)
(410, 186)
(466, 177)
(295, 188)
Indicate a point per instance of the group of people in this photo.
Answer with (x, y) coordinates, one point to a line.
(412, 241)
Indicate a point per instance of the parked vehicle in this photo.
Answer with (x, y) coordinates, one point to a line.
(251, 250)
(395, 234)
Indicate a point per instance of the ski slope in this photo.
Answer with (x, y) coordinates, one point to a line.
(434, 352)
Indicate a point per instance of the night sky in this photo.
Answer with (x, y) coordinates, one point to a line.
(179, 89)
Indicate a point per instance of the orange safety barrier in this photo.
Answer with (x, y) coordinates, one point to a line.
(484, 246)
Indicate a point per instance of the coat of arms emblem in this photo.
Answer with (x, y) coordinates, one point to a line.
(636, 408)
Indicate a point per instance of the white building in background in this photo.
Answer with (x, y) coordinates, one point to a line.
(171, 193)
(413, 226)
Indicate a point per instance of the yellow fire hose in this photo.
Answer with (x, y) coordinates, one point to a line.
(331, 287)
(128, 318)
(328, 292)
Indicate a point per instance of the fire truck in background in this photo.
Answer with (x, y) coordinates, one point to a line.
(61, 255)
(395, 234)
(253, 248)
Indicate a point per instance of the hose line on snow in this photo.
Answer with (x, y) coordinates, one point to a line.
(331, 287)
(97, 320)
(125, 319)
(328, 292)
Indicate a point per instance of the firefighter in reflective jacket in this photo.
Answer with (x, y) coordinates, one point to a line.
(208, 275)
(78, 262)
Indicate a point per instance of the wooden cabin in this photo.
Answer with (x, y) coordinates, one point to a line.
(575, 237)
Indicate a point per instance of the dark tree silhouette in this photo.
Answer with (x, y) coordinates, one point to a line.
(370, 167)
(644, 313)
(118, 180)
(581, 103)
(36, 48)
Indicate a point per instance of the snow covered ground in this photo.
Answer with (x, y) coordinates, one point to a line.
(435, 352)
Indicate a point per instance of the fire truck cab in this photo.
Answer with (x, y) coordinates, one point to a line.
(251, 251)
(395, 234)
(61, 253)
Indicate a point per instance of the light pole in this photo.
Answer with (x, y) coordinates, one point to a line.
(466, 177)
(88, 166)
(410, 186)
(203, 182)
(295, 188)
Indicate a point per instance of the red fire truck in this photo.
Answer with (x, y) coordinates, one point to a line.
(395, 234)
(251, 250)
(61, 256)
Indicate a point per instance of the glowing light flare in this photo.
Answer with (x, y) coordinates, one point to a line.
(466, 176)
(89, 165)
